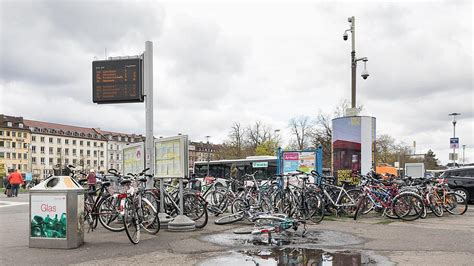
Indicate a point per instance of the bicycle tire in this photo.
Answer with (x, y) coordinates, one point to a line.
(108, 205)
(150, 219)
(231, 218)
(349, 203)
(436, 208)
(195, 207)
(455, 200)
(360, 206)
(407, 202)
(316, 207)
(216, 202)
(89, 210)
(130, 221)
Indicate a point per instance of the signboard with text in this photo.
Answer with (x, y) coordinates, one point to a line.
(171, 157)
(117, 81)
(454, 143)
(48, 216)
(133, 158)
(304, 161)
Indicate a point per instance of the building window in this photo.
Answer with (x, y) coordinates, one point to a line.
(81, 152)
(111, 157)
(8, 155)
(33, 160)
(88, 162)
(33, 138)
(118, 166)
(88, 144)
(33, 149)
(42, 160)
(20, 125)
(25, 145)
(66, 141)
(95, 144)
(50, 140)
(73, 152)
(73, 142)
(95, 163)
(88, 153)
(42, 149)
(101, 154)
(25, 156)
(2, 154)
(13, 144)
(13, 155)
(74, 161)
(59, 141)
(95, 153)
(58, 161)
(66, 161)
(118, 156)
(101, 144)
(66, 151)
(102, 163)
(1, 132)
(13, 133)
(9, 124)
(2, 143)
(81, 143)
(42, 139)
(58, 151)
(50, 150)
(51, 161)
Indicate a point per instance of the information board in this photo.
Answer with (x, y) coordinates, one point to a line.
(304, 161)
(134, 158)
(171, 157)
(117, 81)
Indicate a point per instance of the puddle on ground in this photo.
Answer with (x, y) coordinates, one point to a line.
(290, 256)
(312, 239)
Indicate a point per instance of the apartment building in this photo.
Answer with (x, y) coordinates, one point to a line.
(116, 142)
(14, 144)
(55, 145)
(200, 151)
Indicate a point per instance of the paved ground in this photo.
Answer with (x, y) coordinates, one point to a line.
(432, 241)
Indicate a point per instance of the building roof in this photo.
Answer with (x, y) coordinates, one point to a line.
(48, 128)
(115, 135)
(16, 122)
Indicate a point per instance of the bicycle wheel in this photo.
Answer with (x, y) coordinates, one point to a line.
(349, 202)
(283, 202)
(238, 205)
(360, 206)
(195, 207)
(150, 220)
(216, 202)
(130, 221)
(315, 205)
(435, 206)
(109, 215)
(408, 206)
(89, 216)
(231, 218)
(455, 203)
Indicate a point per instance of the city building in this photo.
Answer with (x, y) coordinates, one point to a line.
(14, 145)
(115, 144)
(53, 146)
(201, 151)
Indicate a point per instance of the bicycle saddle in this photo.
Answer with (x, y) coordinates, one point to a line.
(125, 182)
(142, 179)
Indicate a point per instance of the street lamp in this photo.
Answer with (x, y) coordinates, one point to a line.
(454, 135)
(208, 154)
(275, 132)
(354, 60)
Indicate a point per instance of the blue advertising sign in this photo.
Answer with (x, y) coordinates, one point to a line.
(454, 143)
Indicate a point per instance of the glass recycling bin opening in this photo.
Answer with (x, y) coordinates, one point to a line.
(56, 213)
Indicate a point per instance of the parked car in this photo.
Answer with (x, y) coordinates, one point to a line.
(461, 180)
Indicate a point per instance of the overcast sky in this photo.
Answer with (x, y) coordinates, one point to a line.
(219, 63)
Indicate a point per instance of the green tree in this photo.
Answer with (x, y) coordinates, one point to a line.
(430, 160)
(266, 148)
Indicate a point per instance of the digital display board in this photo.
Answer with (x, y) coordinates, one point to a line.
(117, 81)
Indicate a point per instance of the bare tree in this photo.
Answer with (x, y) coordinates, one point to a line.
(258, 134)
(341, 108)
(237, 135)
(321, 134)
(300, 128)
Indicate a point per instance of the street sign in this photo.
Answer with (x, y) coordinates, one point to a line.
(453, 156)
(454, 143)
(260, 164)
(117, 81)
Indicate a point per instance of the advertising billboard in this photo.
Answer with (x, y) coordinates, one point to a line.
(134, 158)
(353, 146)
(304, 161)
(48, 216)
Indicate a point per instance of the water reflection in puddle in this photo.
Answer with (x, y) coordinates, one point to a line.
(288, 256)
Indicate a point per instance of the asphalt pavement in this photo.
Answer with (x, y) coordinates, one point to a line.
(431, 241)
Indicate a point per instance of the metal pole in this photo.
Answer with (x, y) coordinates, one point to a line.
(354, 64)
(454, 147)
(463, 152)
(148, 87)
(208, 159)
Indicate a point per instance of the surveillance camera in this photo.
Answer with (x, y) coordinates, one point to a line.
(344, 36)
(365, 74)
(349, 20)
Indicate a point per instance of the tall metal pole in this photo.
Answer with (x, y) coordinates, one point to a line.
(454, 147)
(463, 152)
(354, 64)
(148, 84)
(208, 158)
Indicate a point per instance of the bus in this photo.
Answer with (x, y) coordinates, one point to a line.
(266, 165)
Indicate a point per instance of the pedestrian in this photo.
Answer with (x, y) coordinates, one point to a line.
(91, 180)
(15, 179)
(6, 184)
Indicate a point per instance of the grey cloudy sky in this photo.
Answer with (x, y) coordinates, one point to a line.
(217, 63)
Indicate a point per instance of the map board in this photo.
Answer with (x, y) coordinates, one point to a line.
(117, 81)
(171, 157)
(304, 161)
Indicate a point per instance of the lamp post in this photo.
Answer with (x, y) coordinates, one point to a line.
(454, 135)
(354, 60)
(208, 154)
(463, 152)
(275, 132)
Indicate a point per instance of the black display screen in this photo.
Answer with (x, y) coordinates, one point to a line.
(117, 81)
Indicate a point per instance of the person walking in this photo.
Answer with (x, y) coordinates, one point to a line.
(6, 184)
(15, 179)
(91, 180)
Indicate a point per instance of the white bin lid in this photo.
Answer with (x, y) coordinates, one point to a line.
(57, 183)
